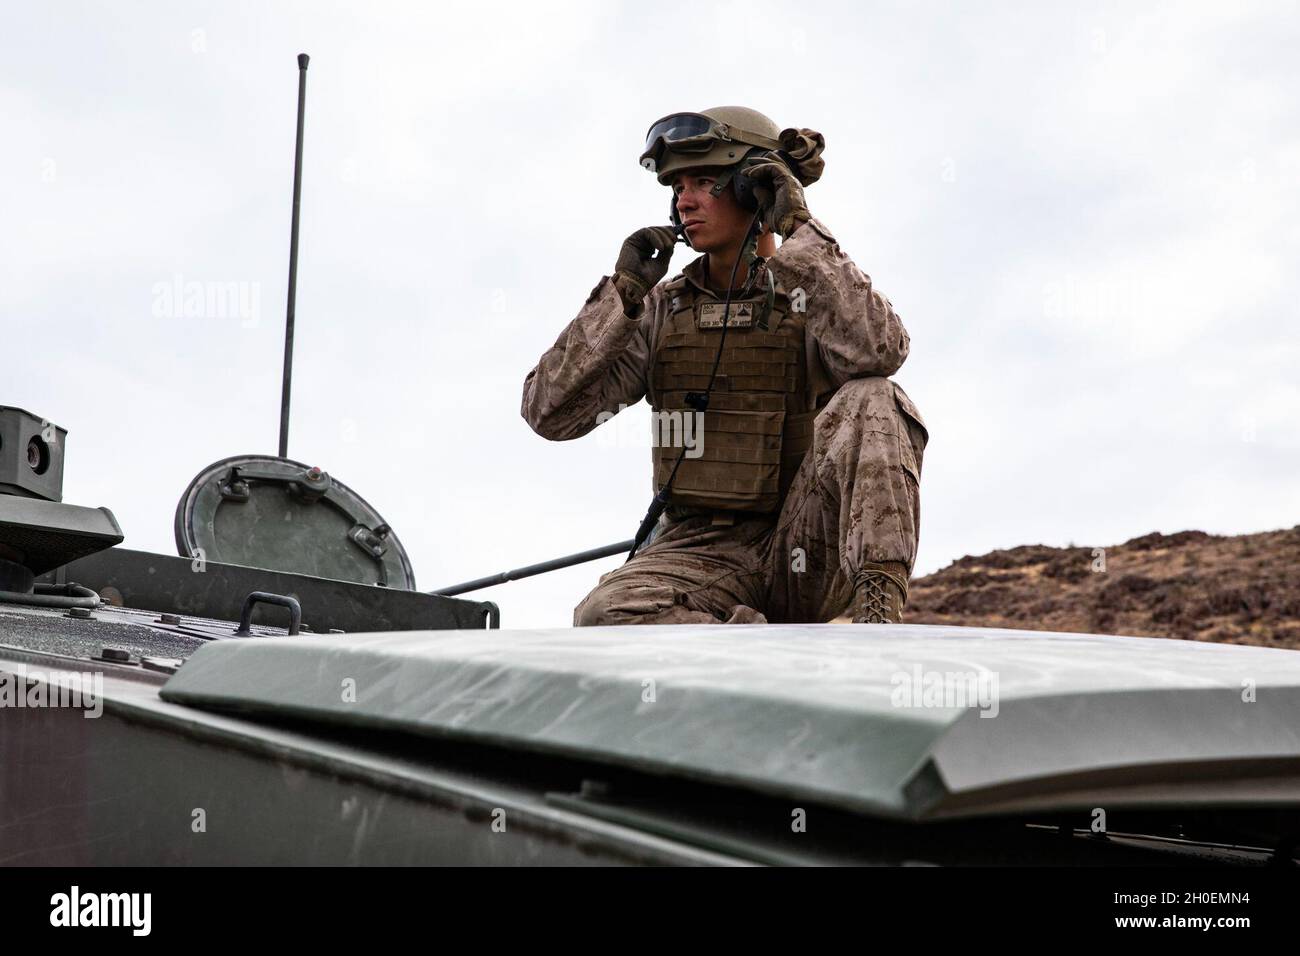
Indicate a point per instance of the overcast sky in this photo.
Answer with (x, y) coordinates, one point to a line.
(1087, 216)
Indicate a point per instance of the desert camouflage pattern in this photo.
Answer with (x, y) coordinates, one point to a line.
(854, 499)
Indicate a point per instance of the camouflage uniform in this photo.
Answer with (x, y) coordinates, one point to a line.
(854, 499)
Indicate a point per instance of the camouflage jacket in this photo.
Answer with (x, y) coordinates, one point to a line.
(601, 361)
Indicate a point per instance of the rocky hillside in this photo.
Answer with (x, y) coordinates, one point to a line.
(1190, 585)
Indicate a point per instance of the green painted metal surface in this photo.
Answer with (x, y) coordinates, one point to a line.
(843, 715)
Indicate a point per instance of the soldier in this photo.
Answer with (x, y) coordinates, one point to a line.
(802, 500)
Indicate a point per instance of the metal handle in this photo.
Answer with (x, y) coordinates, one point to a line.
(265, 597)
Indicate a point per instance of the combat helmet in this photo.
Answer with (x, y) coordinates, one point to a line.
(730, 137)
(721, 136)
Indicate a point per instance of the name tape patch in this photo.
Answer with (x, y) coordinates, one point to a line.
(741, 315)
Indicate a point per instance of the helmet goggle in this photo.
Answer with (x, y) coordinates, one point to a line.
(683, 133)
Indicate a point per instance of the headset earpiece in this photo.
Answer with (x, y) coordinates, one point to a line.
(744, 186)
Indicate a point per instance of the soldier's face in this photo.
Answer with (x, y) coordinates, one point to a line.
(713, 223)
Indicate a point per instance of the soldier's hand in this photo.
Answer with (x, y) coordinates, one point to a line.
(780, 196)
(642, 263)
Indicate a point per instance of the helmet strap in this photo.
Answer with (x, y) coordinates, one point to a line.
(723, 181)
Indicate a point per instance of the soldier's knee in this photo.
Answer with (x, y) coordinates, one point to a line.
(859, 406)
(595, 611)
(858, 394)
(637, 596)
(622, 598)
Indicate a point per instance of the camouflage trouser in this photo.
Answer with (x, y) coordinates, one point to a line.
(855, 498)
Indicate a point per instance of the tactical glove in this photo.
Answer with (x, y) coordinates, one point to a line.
(780, 197)
(638, 268)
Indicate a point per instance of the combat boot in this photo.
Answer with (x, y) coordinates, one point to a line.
(879, 593)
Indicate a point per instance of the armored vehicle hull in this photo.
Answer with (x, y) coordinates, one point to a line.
(655, 745)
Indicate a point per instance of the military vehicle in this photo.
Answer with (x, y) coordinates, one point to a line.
(280, 692)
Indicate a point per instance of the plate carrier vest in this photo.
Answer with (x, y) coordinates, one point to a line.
(759, 421)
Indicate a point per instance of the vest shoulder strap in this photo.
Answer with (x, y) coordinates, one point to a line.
(677, 293)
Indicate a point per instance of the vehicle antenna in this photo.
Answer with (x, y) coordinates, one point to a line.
(293, 261)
